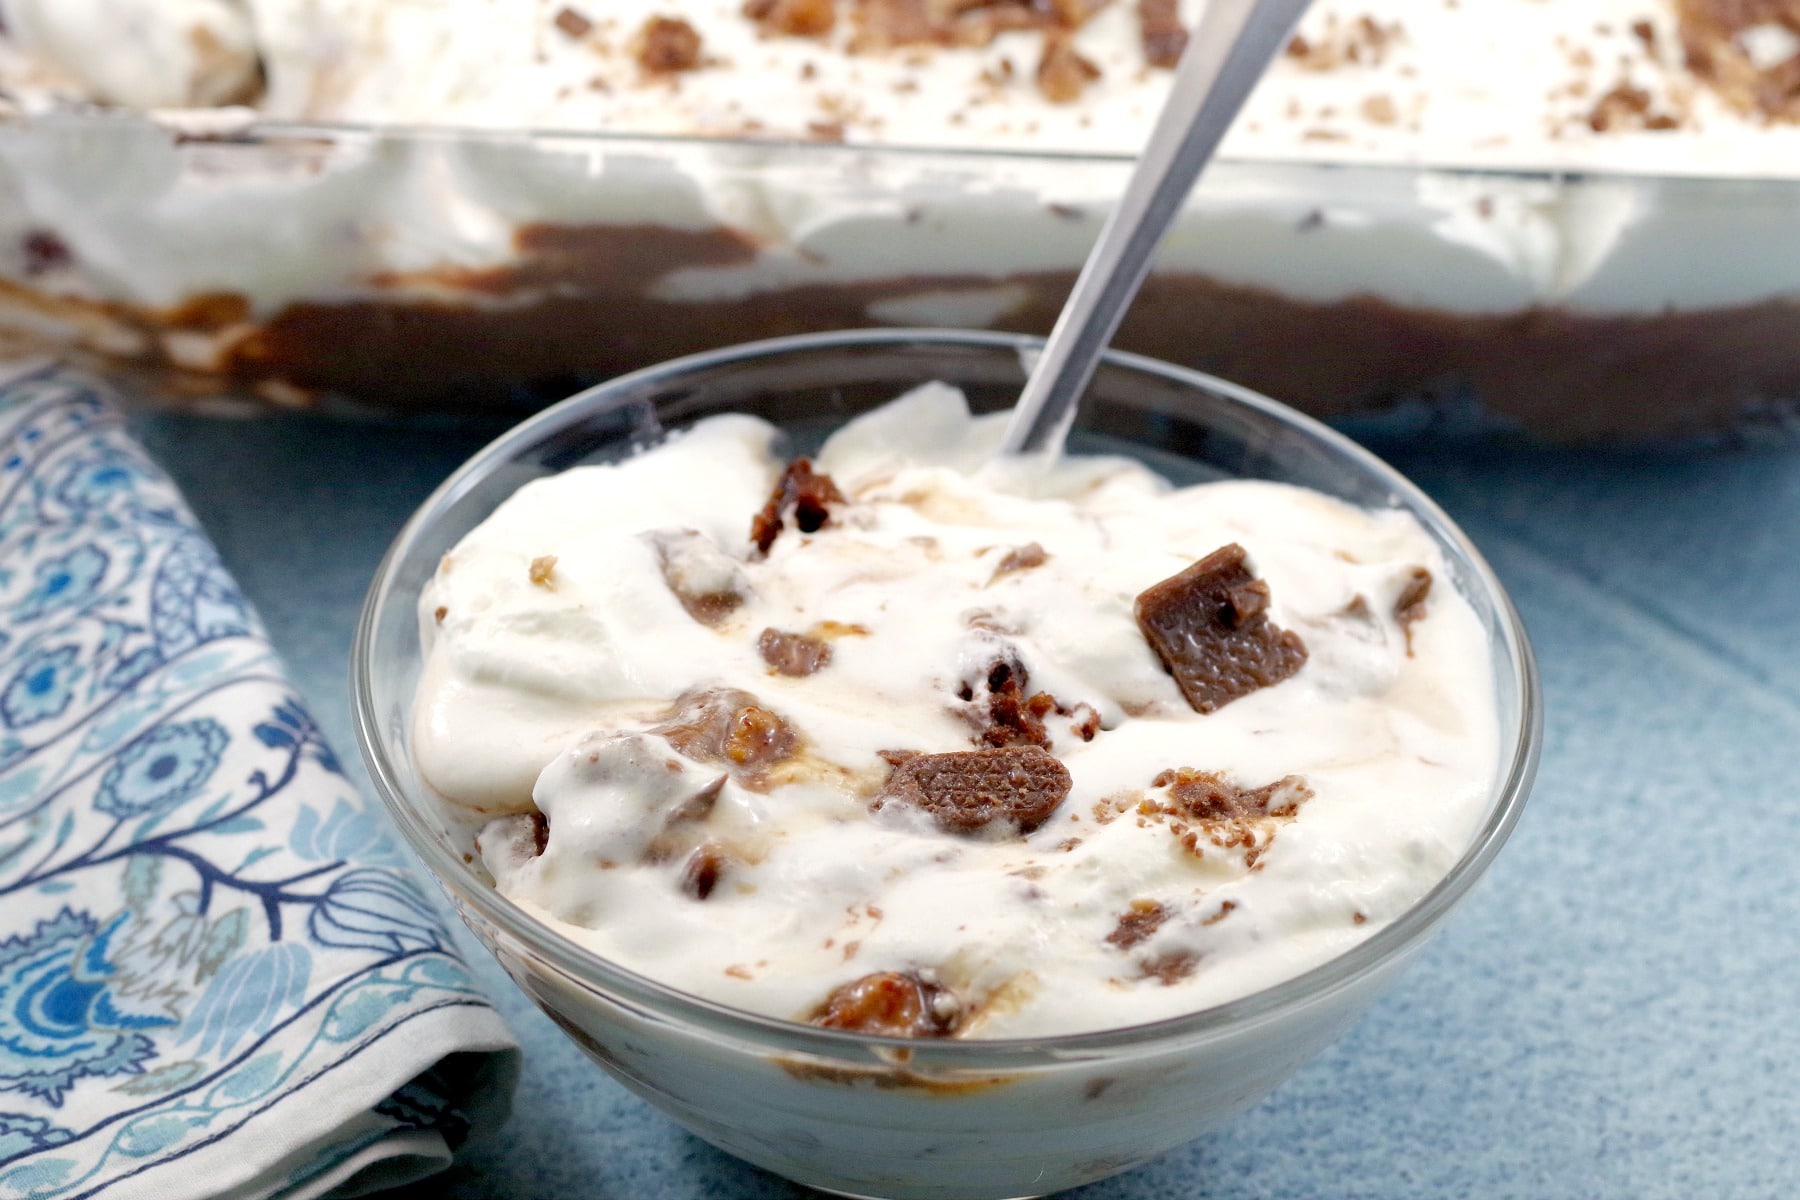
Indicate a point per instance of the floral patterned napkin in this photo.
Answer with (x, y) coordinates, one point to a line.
(218, 976)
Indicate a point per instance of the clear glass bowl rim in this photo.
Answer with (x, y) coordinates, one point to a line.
(645, 994)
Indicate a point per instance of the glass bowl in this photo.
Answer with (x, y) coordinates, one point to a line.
(871, 1116)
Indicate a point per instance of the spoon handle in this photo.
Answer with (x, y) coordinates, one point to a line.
(1230, 49)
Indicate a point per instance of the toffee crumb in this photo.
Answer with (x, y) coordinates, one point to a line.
(1209, 796)
(668, 46)
(793, 18)
(1205, 806)
(1011, 718)
(1062, 73)
(1627, 106)
(1409, 606)
(1171, 968)
(1137, 924)
(542, 569)
(572, 22)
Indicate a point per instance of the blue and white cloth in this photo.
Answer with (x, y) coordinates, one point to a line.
(218, 974)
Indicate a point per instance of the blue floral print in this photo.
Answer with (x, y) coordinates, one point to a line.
(66, 581)
(61, 1016)
(42, 686)
(160, 770)
(198, 915)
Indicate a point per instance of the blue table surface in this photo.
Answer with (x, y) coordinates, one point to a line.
(1614, 1012)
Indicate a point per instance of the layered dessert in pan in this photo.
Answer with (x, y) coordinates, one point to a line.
(1580, 208)
(911, 742)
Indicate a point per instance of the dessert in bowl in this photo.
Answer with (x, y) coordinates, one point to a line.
(1200, 940)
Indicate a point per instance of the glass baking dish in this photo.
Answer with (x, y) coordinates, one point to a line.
(384, 269)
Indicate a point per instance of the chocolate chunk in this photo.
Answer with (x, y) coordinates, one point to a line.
(891, 1004)
(796, 654)
(573, 22)
(1209, 796)
(1160, 29)
(667, 45)
(1210, 627)
(1062, 73)
(1137, 923)
(540, 831)
(967, 791)
(800, 494)
(729, 727)
(1409, 605)
(793, 18)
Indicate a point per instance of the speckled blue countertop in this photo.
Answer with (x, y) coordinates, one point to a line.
(1614, 1012)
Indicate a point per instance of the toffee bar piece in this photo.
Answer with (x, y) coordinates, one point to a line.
(793, 654)
(891, 1004)
(1210, 627)
(729, 727)
(967, 791)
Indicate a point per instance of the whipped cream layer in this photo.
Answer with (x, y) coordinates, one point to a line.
(573, 636)
(1503, 84)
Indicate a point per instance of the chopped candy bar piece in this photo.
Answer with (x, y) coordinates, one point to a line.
(891, 1004)
(729, 727)
(796, 654)
(1210, 627)
(801, 494)
(970, 790)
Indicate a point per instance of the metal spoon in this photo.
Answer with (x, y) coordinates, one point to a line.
(1228, 53)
